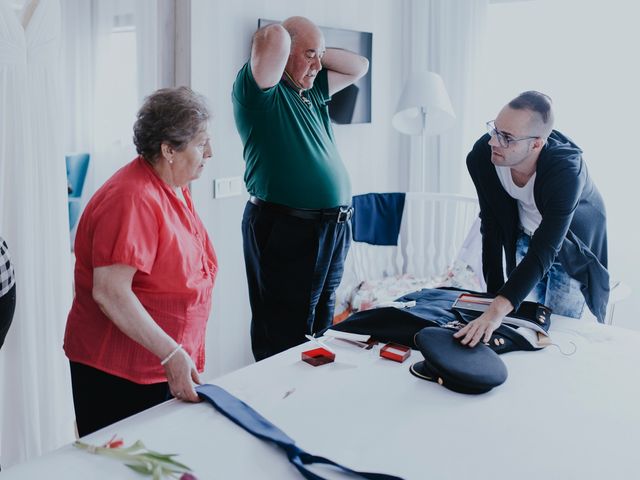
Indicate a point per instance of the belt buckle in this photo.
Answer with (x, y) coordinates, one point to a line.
(344, 215)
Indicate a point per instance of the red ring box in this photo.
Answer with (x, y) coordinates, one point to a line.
(318, 356)
(395, 352)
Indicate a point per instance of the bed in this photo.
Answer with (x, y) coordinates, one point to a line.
(406, 242)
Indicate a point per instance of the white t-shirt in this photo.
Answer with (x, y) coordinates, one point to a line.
(530, 217)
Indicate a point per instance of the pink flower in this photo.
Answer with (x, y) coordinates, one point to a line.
(188, 476)
(114, 443)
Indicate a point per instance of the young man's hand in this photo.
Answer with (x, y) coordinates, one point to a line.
(482, 327)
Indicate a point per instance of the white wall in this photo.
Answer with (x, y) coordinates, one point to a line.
(221, 36)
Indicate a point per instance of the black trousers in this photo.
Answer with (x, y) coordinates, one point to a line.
(293, 267)
(101, 399)
(7, 307)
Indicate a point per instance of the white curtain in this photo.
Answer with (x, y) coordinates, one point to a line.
(446, 37)
(147, 43)
(127, 69)
(78, 53)
(114, 89)
(36, 409)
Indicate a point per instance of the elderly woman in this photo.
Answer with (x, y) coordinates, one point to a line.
(144, 273)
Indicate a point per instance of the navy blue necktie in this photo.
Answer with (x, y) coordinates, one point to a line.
(246, 417)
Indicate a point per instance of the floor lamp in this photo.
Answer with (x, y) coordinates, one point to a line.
(424, 109)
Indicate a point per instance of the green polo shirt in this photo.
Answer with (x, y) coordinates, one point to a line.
(289, 148)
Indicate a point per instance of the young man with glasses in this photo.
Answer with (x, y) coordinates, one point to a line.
(540, 207)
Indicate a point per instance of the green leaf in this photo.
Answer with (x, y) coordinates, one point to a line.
(138, 445)
(181, 465)
(159, 456)
(165, 459)
(157, 473)
(141, 460)
(139, 469)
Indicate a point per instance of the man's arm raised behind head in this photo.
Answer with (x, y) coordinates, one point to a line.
(344, 68)
(269, 54)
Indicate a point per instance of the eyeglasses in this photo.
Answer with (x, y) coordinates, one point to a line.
(504, 139)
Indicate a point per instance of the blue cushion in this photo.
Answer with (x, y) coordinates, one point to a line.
(77, 166)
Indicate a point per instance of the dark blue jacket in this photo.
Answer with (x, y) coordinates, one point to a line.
(573, 227)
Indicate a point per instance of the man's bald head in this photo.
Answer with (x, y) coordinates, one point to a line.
(307, 49)
(301, 27)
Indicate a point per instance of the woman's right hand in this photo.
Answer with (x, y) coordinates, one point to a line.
(181, 375)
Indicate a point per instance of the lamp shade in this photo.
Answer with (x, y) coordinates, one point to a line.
(424, 92)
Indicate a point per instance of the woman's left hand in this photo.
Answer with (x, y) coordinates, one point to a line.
(181, 375)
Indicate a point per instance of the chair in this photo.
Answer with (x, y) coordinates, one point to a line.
(77, 166)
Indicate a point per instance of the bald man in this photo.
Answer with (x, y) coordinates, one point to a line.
(295, 227)
(540, 207)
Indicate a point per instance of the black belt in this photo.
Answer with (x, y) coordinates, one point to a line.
(338, 214)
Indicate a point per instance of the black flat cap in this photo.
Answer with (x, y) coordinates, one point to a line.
(455, 366)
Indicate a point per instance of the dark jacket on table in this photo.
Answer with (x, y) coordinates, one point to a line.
(573, 226)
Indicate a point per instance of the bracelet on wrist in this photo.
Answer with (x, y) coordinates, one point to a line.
(168, 357)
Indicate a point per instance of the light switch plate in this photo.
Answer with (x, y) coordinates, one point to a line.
(227, 187)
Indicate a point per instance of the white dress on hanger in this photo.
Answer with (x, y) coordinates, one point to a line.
(36, 407)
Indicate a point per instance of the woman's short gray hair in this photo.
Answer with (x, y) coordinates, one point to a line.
(169, 115)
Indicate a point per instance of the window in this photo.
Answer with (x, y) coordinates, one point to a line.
(116, 92)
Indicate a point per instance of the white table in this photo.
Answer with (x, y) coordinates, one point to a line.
(556, 417)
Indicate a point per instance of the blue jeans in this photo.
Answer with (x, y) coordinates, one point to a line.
(557, 290)
(293, 269)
